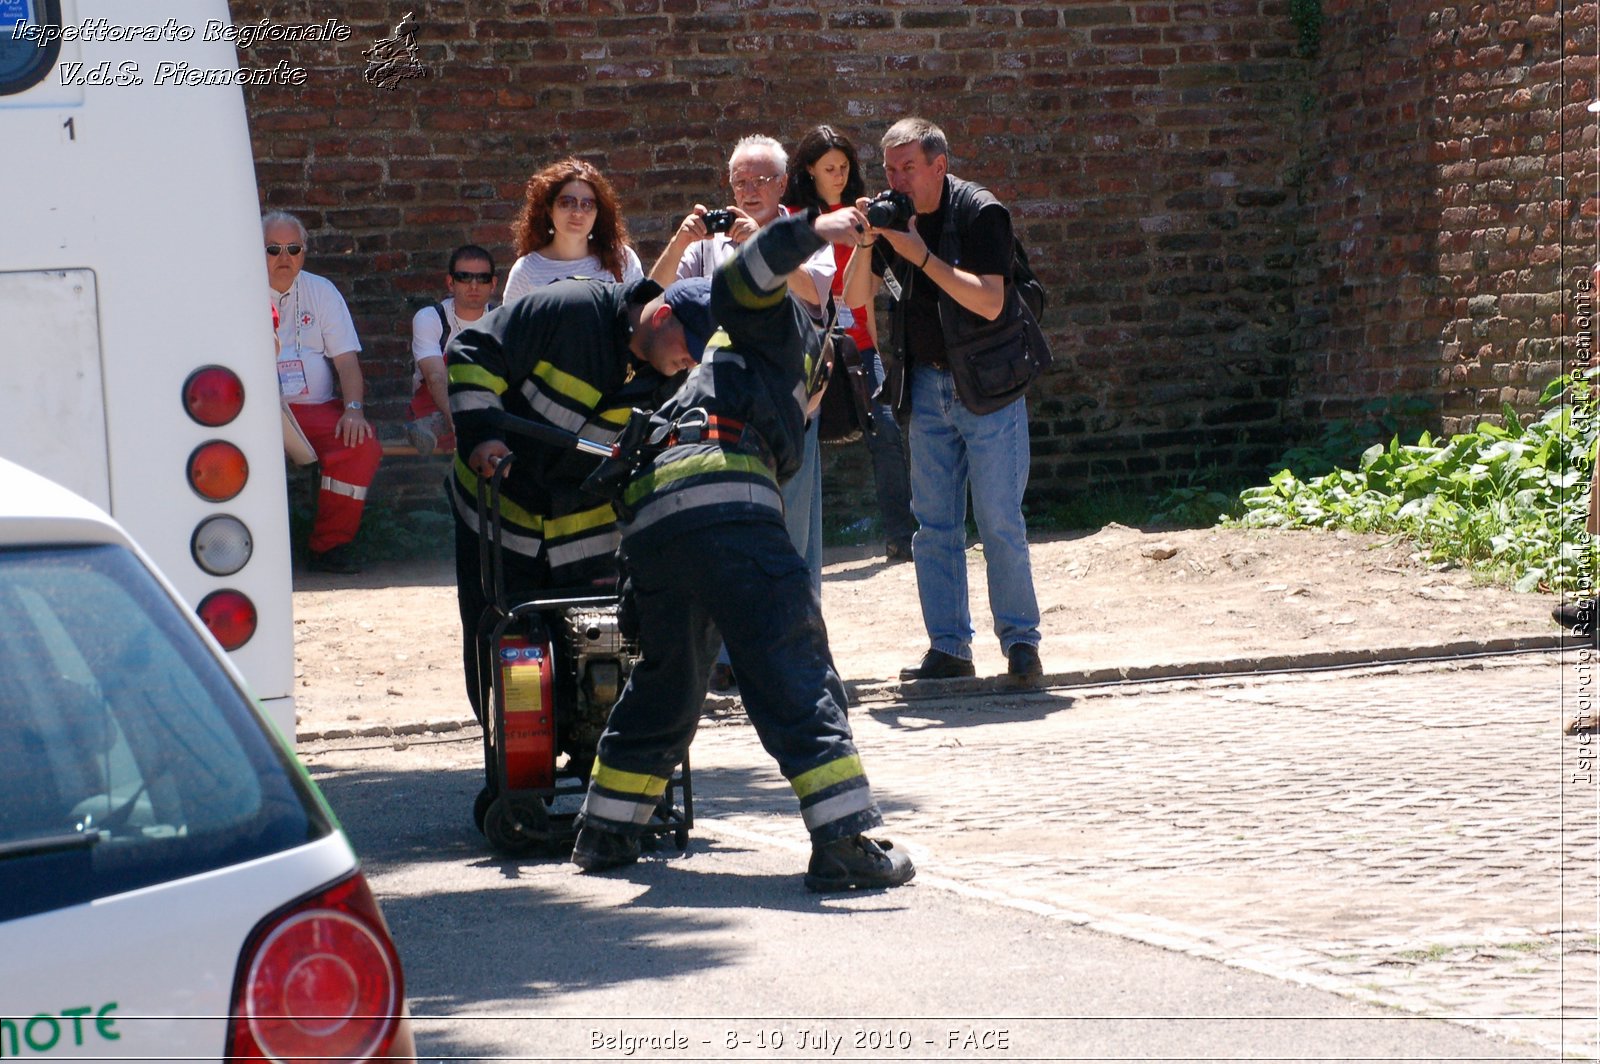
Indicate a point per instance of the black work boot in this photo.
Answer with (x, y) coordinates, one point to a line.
(937, 665)
(856, 862)
(597, 849)
(340, 559)
(1023, 664)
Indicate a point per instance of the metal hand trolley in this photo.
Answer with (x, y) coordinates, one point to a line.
(559, 661)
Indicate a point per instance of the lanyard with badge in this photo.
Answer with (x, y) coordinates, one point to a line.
(291, 368)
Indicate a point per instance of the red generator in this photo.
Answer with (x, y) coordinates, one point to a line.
(559, 663)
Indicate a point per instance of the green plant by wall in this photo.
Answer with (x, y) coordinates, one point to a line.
(1307, 18)
(1509, 500)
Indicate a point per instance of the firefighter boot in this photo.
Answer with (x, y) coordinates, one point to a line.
(597, 849)
(856, 862)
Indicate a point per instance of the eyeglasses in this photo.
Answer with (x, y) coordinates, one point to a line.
(466, 276)
(752, 184)
(278, 249)
(573, 203)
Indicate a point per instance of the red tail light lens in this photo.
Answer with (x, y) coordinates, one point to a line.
(213, 395)
(218, 470)
(318, 981)
(231, 617)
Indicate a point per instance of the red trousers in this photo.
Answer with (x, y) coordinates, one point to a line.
(422, 405)
(347, 472)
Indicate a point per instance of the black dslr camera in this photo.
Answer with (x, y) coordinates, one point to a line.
(890, 210)
(719, 221)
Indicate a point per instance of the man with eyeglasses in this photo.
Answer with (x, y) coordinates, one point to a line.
(758, 174)
(470, 282)
(317, 343)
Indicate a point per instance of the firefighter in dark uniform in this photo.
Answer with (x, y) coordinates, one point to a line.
(703, 531)
(576, 355)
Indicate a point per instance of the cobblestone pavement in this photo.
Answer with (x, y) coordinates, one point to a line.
(1417, 836)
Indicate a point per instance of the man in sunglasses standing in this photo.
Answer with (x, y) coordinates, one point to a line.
(316, 343)
(470, 282)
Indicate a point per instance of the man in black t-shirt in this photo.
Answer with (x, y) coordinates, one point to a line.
(947, 272)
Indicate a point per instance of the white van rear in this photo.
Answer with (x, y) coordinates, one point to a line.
(136, 342)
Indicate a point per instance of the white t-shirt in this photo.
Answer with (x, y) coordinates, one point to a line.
(705, 257)
(533, 270)
(428, 336)
(314, 325)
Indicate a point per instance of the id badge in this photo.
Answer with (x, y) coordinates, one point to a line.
(292, 378)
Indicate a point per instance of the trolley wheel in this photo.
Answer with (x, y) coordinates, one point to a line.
(681, 837)
(517, 826)
(480, 807)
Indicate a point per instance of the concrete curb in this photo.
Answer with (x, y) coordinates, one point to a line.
(916, 690)
(907, 690)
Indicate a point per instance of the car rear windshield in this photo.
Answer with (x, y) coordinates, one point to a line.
(131, 756)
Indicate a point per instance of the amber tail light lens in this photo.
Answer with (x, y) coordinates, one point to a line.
(218, 470)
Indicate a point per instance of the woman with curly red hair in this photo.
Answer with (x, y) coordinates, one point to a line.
(569, 226)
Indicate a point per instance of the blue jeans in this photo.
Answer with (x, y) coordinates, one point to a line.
(802, 513)
(888, 453)
(953, 449)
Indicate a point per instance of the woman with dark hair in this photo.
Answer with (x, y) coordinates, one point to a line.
(569, 226)
(825, 172)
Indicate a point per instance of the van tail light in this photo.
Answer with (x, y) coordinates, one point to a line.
(213, 395)
(218, 470)
(317, 981)
(230, 616)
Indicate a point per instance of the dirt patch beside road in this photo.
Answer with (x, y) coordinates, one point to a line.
(383, 648)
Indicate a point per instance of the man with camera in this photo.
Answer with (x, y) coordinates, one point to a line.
(703, 243)
(943, 247)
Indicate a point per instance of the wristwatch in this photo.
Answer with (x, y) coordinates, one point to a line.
(352, 406)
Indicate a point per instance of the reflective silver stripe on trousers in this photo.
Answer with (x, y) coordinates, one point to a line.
(339, 487)
(523, 543)
(551, 410)
(590, 546)
(675, 502)
(858, 800)
(617, 810)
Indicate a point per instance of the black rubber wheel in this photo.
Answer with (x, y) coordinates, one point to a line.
(517, 826)
(682, 838)
(480, 807)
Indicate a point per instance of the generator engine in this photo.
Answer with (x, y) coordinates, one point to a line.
(600, 659)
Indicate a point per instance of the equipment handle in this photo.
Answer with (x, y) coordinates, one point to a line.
(510, 424)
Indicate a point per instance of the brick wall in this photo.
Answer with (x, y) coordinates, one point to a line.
(1238, 241)
(1443, 237)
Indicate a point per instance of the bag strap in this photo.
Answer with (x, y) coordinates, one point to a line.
(444, 325)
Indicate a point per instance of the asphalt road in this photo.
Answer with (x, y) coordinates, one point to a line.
(720, 953)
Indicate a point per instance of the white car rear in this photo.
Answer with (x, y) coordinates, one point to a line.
(172, 885)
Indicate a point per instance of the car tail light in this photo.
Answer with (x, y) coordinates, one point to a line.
(231, 617)
(319, 981)
(218, 470)
(213, 395)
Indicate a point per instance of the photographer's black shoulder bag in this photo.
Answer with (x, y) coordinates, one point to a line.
(992, 363)
(846, 407)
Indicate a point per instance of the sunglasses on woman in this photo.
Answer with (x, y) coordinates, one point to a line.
(573, 203)
(277, 249)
